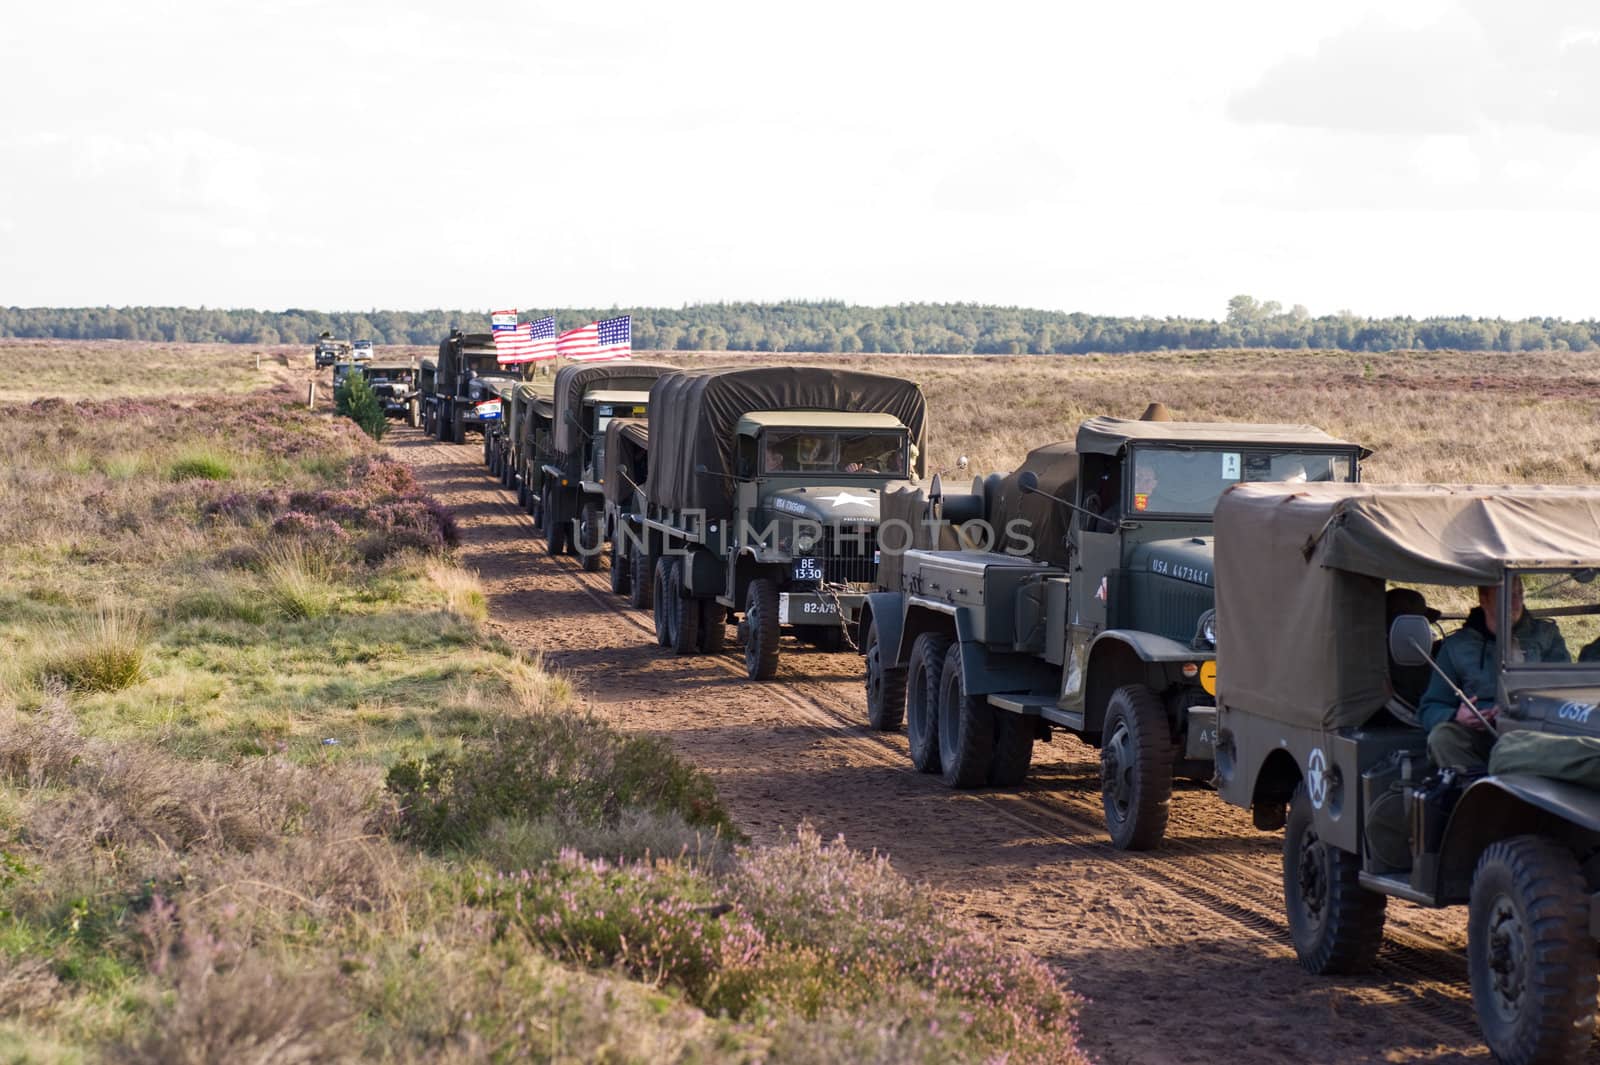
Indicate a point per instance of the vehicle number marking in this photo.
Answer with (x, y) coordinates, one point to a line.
(807, 569)
(798, 610)
(1578, 712)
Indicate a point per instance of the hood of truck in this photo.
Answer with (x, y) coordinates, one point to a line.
(826, 505)
(1188, 559)
(1574, 710)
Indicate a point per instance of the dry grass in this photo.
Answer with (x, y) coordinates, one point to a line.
(96, 369)
(462, 591)
(103, 652)
(1488, 418)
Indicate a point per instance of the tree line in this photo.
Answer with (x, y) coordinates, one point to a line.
(829, 326)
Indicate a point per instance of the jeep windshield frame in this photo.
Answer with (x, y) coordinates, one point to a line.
(1191, 472)
(1559, 595)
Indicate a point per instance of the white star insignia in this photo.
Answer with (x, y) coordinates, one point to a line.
(845, 499)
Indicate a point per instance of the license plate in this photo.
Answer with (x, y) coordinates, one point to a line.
(806, 609)
(807, 569)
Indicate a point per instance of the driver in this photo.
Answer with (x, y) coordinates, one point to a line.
(1470, 657)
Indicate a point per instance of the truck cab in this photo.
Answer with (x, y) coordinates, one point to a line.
(1089, 608)
(1322, 733)
(462, 387)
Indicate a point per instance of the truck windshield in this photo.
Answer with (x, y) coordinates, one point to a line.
(1559, 620)
(1186, 482)
(820, 451)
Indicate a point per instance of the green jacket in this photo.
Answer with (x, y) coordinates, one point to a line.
(1470, 657)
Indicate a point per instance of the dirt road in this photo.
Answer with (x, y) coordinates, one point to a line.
(1183, 953)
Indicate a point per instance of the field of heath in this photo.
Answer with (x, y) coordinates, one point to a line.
(270, 790)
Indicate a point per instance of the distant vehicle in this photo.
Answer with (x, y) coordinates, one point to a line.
(361, 350)
(330, 351)
(461, 387)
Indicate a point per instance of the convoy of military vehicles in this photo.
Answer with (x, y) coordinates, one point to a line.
(1194, 600)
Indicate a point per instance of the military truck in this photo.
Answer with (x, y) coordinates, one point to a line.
(762, 501)
(504, 390)
(459, 386)
(566, 488)
(502, 443)
(329, 351)
(394, 380)
(1083, 602)
(627, 466)
(1317, 703)
(528, 436)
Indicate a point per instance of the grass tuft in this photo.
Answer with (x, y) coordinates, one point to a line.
(105, 653)
(200, 464)
(463, 592)
(299, 584)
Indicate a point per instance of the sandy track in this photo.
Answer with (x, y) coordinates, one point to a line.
(1182, 953)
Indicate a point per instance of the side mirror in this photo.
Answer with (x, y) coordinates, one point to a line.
(1027, 482)
(961, 463)
(1410, 639)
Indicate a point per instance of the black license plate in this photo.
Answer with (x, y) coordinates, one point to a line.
(808, 569)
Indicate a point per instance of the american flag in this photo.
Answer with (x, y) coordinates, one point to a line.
(598, 341)
(543, 332)
(513, 344)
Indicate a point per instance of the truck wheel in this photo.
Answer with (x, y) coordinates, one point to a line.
(922, 699)
(761, 630)
(1529, 952)
(713, 627)
(662, 602)
(555, 532)
(621, 570)
(1013, 749)
(966, 727)
(685, 614)
(1336, 925)
(458, 428)
(1136, 769)
(488, 455)
(411, 414)
(642, 586)
(522, 493)
(586, 537)
(886, 687)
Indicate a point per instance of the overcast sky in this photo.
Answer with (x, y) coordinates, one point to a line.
(1408, 156)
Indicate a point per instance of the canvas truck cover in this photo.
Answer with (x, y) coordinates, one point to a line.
(693, 415)
(902, 527)
(1300, 572)
(1108, 436)
(573, 381)
(627, 440)
(1042, 520)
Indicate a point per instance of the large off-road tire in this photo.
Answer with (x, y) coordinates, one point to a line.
(1013, 749)
(661, 602)
(522, 493)
(685, 614)
(555, 532)
(458, 428)
(1335, 924)
(588, 536)
(1136, 768)
(430, 424)
(641, 591)
(761, 630)
(966, 728)
(923, 673)
(886, 686)
(621, 570)
(713, 627)
(1529, 952)
(488, 453)
(413, 415)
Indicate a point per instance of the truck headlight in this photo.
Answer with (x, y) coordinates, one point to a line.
(1206, 631)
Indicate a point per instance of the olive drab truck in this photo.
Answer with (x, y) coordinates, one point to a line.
(505, 455)
(567, 486)
(1318, 730)
(627, 465)
(460, 386)
(762, 501)
(1084, 602)
(394, 381)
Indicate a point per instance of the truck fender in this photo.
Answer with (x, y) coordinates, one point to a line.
(917, 618)
(888, 610)
(1117, 657)
(1498, 807)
